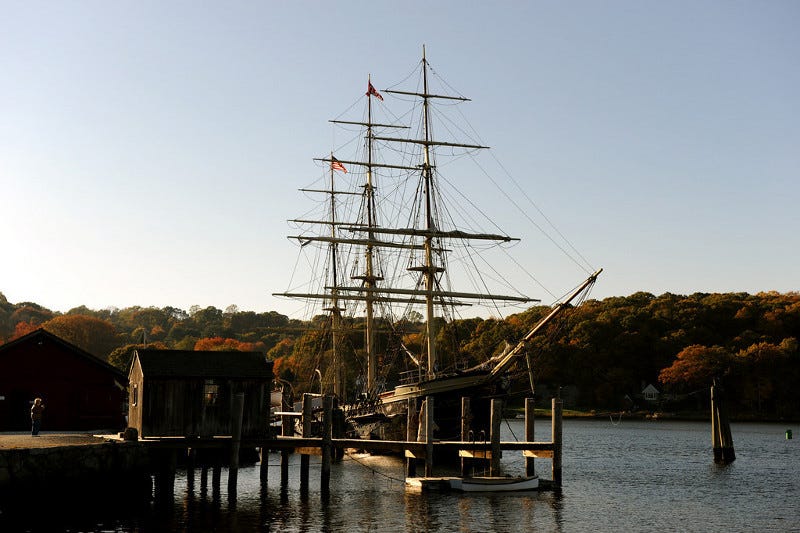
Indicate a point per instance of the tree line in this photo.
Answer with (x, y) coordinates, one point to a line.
(606, 350)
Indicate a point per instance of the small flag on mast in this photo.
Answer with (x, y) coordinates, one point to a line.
(371, 91)
(336, 165)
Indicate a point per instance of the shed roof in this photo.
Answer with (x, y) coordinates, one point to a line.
(202, 364)
(38, 335)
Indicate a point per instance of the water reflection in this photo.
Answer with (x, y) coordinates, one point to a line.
(556, 501)
(614, 480)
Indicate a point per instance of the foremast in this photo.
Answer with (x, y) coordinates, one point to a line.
(332, 298)
(369, 278)
(334, 309)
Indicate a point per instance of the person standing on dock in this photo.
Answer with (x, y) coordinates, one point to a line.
(36, 416)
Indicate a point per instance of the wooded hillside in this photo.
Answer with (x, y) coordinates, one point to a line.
(605, 350)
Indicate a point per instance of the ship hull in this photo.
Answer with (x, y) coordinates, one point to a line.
(390, 419)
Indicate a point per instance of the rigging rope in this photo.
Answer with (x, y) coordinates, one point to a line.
(387, 476)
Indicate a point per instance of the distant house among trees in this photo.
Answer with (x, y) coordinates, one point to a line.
(190, 393)
(80, 391)
(650, 393)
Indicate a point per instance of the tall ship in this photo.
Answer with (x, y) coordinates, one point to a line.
(395, 250)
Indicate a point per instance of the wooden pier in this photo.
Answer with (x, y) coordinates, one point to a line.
(474, 454)
(155, 460)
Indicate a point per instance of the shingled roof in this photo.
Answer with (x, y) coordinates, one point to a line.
(197, 364)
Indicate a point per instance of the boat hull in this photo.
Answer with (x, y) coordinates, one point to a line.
(494, 484)
(472, 484)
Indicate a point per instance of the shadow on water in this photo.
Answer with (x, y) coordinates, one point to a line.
(85, 506)
(616, 478)
(357, 502)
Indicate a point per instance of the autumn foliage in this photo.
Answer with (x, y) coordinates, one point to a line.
(603, 350)
(22, 329)
(95, 335)
(696, 365)
(219, 344)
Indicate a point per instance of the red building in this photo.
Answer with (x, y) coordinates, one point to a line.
(79, 391)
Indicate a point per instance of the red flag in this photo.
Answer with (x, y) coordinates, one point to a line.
(371, 91)
(336, 165)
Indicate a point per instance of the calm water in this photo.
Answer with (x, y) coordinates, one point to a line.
(634, 476)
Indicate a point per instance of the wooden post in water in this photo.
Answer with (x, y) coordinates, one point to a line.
(236, 440)
(466, 423)
(558, 405)
(494, 436)
(305, 460)
(429, 408)
(721, 438)
(412, 422)
(191, 461)
(338, 429)
(216, 479)
(204, 478)
(165, 478)
(327, 428)
(287, 431)
(530, 405)
(263, 470)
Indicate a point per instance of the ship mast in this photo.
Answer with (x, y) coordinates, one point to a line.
(369, 278)
(430, 270)
(429, 239)
(334, 309)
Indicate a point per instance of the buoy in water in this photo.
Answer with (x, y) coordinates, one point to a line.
(788, 434)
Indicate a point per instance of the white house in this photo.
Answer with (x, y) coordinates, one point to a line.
(650, 393)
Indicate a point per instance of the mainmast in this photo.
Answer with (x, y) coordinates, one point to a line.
(369, 277)
(429, 269)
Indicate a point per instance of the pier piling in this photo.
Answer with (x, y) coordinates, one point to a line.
(236, 439)
(428, 407)
(412, 421)
(721, 438)
(494, 436)
(165, 476)
(466, 429)
(263, 455)
(305, 460)
(287, 431)
(338, 429)
(530, 406)
(216, 479)
(327, 428)
(191, 461)
(558, 405)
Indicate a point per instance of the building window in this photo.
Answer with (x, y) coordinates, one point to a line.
(210, 393)
(135, 394)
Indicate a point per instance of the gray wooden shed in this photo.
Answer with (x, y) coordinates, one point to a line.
(190, 393)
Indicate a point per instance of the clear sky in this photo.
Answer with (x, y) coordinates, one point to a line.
(151, 151)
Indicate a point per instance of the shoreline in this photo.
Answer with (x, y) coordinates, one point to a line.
(649, 415)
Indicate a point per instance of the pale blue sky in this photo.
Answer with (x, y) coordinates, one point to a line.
(150, 152)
